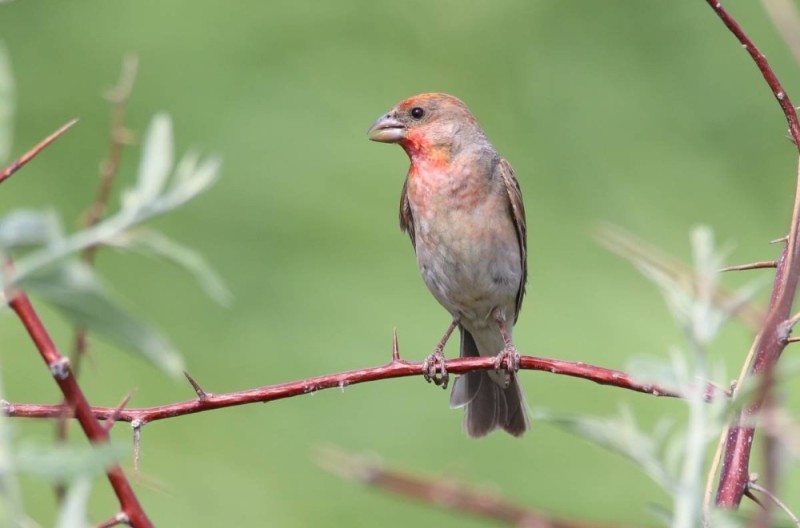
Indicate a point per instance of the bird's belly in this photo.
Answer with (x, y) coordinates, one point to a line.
(470, 262)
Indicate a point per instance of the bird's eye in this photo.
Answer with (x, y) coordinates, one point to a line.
(417, 112)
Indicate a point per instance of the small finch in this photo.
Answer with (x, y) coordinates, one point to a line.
(462, 208)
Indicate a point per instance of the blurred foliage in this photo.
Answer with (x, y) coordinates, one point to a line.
(647, 115)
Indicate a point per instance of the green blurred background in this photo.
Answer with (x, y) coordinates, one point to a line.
(645, 114)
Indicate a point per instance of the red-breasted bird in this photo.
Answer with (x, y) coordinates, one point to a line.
(462, 207)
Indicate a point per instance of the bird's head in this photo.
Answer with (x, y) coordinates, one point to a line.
(427, 125)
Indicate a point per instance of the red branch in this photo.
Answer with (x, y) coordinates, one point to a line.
(396, 369)
(95, 432)
(772, 338)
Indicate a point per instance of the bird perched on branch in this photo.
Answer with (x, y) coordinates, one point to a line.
(461, 206)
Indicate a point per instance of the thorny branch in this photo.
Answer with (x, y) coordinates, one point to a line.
(62, 372)
(772, 337)
(397, 368)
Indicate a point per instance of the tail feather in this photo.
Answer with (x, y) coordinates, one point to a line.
(488, 405)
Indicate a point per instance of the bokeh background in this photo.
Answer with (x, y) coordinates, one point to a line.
(644, 114)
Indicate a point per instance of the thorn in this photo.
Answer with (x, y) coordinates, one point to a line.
(779, 240)
(137, 444)
(201, 394)
(751, 266)
(749, 495)
(711, 386)
(32, 153)
(111, 420)
(395, 347)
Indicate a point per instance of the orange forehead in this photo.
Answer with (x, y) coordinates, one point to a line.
(439, 99)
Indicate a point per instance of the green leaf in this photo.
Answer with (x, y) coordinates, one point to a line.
(74, 289)
(65, 463)
(155, 243)
(28, 227)
(152, 196)
(10, 501)
(619, 434)
(155, 165)
(7, 104)
(73, 513)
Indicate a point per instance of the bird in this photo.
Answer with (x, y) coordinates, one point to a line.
(462, 208)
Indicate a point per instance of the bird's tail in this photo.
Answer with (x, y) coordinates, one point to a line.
(488, 404)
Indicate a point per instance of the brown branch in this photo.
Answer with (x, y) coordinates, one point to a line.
(771, 340)
(445, 493)
(119, 136)
(28, 156)
(395, 369)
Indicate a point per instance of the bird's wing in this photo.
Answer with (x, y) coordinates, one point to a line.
(406, 219)
(506, 173)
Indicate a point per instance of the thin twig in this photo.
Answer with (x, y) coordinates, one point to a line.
(766, 264)
(445, 493)
(119, 136)
(28, 156)
(116, 520)
(633, 249)
(755, 487)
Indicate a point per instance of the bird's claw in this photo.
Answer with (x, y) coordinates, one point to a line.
(510, 355)
(434, 369)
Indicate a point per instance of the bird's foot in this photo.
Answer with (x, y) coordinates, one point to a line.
(434, 369)
(510, 355)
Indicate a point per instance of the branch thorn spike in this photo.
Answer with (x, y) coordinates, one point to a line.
(201, 394)
(395, 347)
(118, 411)
(754, 265)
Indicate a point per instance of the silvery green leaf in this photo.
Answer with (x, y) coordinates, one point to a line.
(73, 513)
(155, 164)
(155, 243)
(653, 370)
(63, 463)
(75, 291)
(7, 104)
(619, 434)
(148, 199)
(10, 499)
(29, 227)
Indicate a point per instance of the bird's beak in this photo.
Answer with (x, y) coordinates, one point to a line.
(387, 129)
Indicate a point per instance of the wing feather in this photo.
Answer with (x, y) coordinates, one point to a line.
(506, 173)
(406, 218)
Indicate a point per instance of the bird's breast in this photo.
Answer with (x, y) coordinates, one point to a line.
(466, 243)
